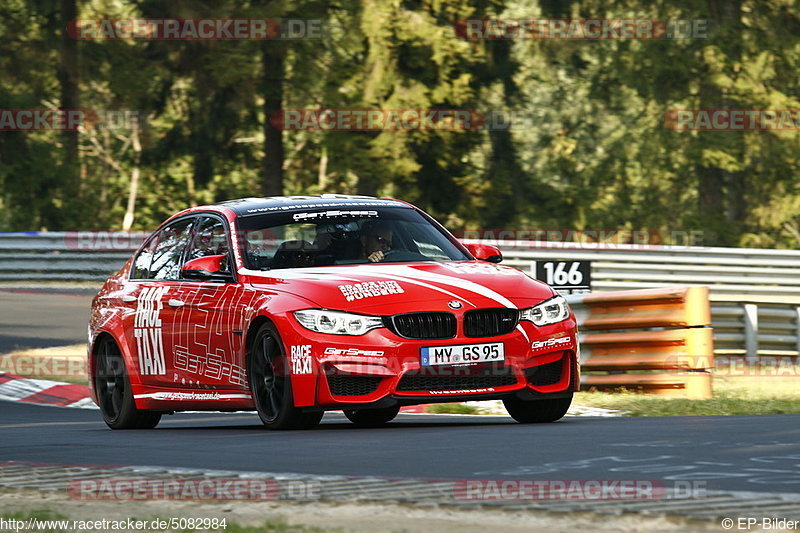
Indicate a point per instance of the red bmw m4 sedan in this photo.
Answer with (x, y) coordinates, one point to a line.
(292, 306)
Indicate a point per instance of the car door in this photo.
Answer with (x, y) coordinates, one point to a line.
(209, 325)
(152, 293)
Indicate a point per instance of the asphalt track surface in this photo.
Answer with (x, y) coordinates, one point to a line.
(42, 318)
(742, 453)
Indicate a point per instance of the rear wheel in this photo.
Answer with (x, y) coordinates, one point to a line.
(114, 394)
(372, 417)
(271, 384)
(537, 411)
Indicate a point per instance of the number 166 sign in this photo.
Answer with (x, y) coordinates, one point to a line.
(566, 277)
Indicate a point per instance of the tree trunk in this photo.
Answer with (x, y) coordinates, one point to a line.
(366, 185)
(322, 173)
(710, 195)
(273, 78)
(67, 73)
(130, 211)
(716, 209)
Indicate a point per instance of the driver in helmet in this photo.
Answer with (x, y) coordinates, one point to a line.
(376, 240)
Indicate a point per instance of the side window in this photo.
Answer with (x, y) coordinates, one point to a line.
(141, 266)
(172, 240)
(210, 238)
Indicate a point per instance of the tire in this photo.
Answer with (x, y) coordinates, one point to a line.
(537, 411)
(271, 385)
(114, 394)
(371, 418)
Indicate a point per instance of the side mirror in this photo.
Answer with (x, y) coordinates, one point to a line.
(485, 252)
(208, 268)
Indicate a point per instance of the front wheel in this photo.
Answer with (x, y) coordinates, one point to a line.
(372, 417)
(537, 411)
(114, 395)
(271, 384)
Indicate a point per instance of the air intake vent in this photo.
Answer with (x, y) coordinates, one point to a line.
(344, 385)
(424, 325)
(457, 378)
(543, 375)
(490, 322)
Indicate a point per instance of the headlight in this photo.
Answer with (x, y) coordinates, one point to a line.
(337, 323)
(548, 312)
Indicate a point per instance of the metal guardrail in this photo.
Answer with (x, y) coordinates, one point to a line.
(64, 256)
(756, 326)
(755, 293)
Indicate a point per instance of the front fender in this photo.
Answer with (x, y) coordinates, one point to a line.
(277, 307)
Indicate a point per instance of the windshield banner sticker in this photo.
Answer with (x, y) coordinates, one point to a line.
(334, 214)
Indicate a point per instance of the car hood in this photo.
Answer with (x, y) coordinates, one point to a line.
(391, 288)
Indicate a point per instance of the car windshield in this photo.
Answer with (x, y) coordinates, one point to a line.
(343, 236)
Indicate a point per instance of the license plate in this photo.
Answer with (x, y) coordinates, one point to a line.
(462, 354)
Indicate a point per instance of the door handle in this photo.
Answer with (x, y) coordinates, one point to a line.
(176, 303)
(129, 298)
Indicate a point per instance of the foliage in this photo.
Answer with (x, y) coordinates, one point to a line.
(588, 150)
(452, 408)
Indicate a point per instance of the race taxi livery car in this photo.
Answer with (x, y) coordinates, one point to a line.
(292, 306)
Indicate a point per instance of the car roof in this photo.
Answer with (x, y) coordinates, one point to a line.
(272, 204)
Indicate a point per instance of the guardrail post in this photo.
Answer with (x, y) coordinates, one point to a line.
(797, 328)
(699, 386)
(751, 333)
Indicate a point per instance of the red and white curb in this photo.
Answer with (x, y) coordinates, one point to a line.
(55, 393)
(44, 392)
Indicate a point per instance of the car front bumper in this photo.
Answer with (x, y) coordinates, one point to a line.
(381, 368)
